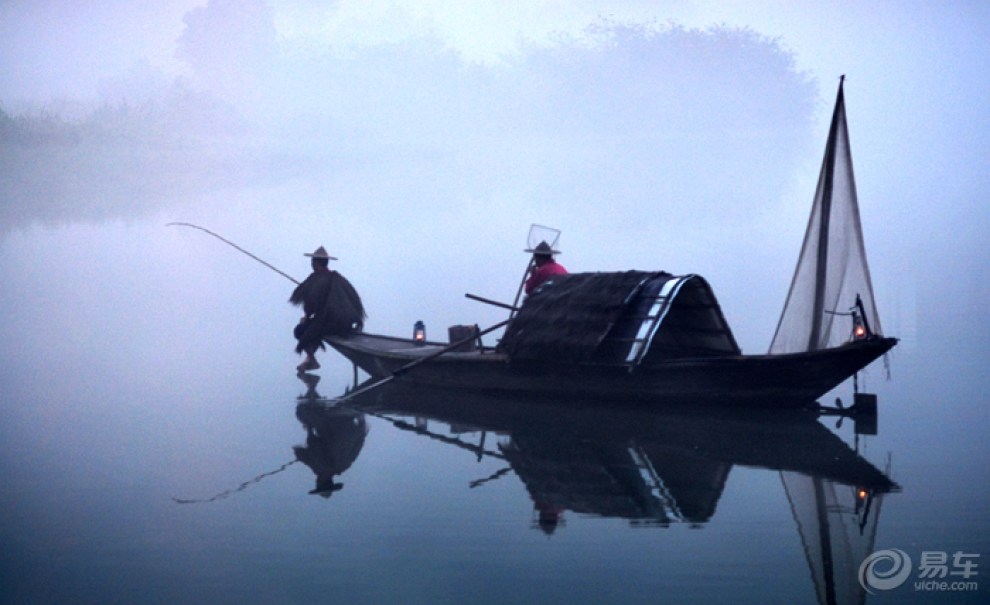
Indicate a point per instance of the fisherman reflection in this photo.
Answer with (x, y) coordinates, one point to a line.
(331, 306)
(311, 381)
(334, 438)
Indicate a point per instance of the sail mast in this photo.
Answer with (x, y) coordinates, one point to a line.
(831, 270)
(828, 176)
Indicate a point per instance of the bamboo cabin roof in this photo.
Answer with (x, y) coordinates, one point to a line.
(621, 317)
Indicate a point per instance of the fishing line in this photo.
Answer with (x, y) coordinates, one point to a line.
(491, 477)
(239, 488)
(238, 248)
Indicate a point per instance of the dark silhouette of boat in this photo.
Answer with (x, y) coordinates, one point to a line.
(657, 337)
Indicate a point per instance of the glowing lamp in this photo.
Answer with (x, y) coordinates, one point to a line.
(862, 493)
(419, 332)
(859, 331)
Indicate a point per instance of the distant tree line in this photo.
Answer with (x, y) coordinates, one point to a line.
(120, 159)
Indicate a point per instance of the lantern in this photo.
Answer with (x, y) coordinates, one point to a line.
(419, 332)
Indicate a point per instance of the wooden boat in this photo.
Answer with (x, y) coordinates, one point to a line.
(797, 378)
(655, 337)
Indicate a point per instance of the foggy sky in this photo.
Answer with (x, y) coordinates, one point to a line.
(409, 137)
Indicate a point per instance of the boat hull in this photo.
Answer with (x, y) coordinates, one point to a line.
(790, 380)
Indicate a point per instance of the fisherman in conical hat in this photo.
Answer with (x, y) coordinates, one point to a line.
(331, 307)
(543, 267)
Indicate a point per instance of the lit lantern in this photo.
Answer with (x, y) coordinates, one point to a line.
(419, 332)
(861, 326)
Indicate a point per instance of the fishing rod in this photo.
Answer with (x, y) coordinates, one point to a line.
(238, 248)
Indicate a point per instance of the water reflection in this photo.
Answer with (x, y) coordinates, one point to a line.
(334, 438)
(240, 488)
(653, 468)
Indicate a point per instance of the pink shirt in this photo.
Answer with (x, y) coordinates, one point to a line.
(543, 273)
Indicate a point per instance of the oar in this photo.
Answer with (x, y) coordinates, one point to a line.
(489, 301)
(412, 364)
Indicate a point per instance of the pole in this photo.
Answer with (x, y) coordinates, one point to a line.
(402, 425)
(491, 302)
(412, 364)
(238, 248)
(825, 217)
(522, 282)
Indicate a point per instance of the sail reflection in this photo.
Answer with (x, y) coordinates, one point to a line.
(838, 525)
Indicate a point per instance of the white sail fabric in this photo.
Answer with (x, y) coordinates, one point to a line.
(832, 269)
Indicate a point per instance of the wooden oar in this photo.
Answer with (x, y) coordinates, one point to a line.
(489, 301)
(412, 364)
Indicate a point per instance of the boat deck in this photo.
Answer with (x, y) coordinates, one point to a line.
(759, 378)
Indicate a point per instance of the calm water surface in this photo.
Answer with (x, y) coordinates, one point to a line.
(157, 447)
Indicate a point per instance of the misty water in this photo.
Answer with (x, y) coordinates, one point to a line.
(151, 410)
(157, 446)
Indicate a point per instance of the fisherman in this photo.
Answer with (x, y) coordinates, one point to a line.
(543, 267)
(331, 307)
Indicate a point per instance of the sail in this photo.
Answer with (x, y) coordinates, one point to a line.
(821, 310)
(838, 525)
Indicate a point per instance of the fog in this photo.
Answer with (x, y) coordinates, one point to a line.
(418, 143)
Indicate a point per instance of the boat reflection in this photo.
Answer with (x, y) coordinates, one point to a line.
(652, 467)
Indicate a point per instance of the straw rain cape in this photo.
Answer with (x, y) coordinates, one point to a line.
(332, 306)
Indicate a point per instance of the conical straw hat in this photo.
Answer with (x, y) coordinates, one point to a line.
(320, 252)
